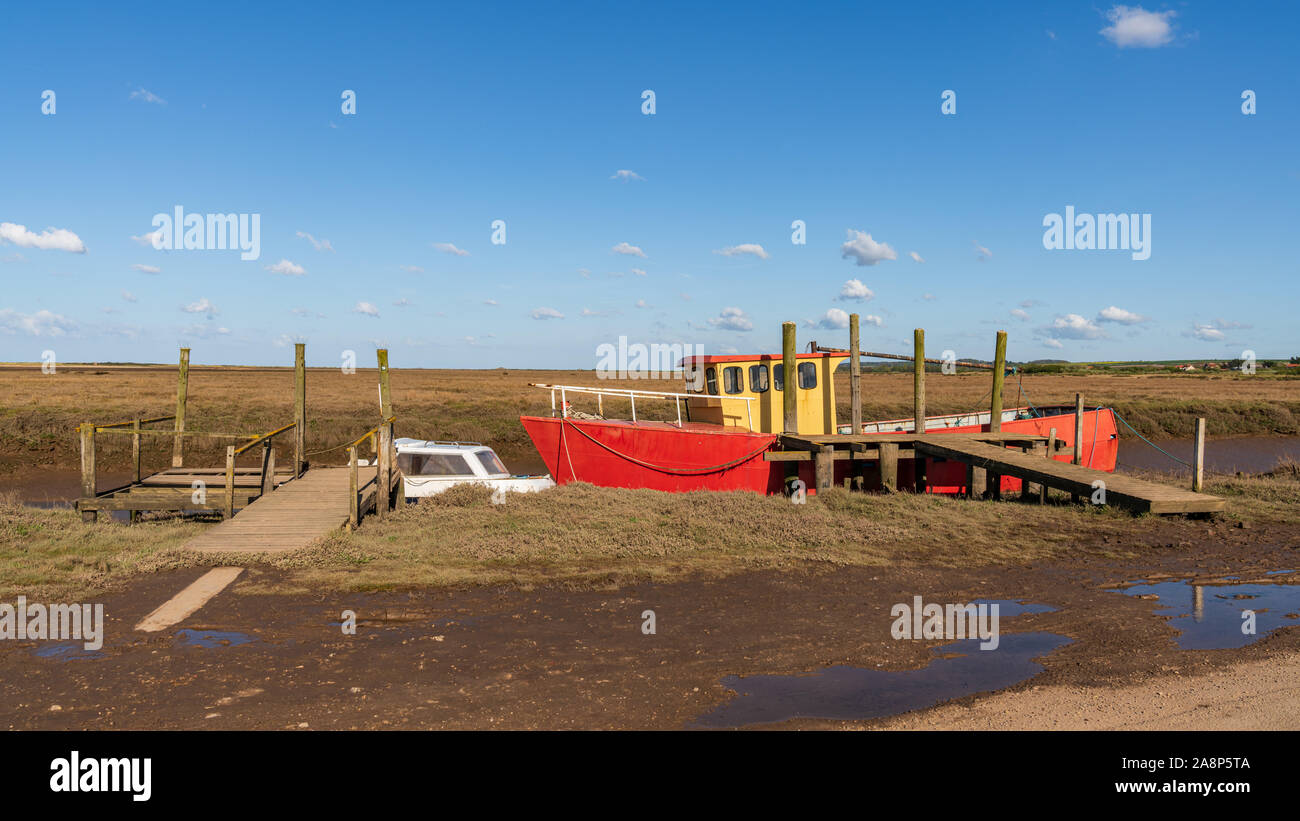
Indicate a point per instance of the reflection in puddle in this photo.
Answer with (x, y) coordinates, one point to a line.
(66, 651)
(846, 693)
(211, 638)
(1209, 616)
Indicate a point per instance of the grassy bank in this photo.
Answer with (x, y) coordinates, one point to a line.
(592, 537)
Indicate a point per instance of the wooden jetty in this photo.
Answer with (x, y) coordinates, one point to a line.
(988, 455)
(279, 507)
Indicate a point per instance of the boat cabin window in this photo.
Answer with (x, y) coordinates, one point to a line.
(807, 375)
(758, 378)
(433, 464)
(490, 461)
(733, 381)
(778, 377)
(711, 380)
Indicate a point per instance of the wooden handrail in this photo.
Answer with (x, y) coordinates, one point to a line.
(265, 437)
(134, 421)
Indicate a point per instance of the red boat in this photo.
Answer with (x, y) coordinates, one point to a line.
(725, 426)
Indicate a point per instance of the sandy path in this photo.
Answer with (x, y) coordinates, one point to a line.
(1255, 695)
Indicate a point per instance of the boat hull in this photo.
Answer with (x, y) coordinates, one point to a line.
(663, 456)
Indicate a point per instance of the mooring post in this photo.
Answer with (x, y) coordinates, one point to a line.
(824, 467)
(354, 504)
(382, 475)
(182, 391)
(1198, 458)
(229, 509)
(385, 400)
(87, 469)
(999, 377)
(299, 409)
(1078, 429)
(918, 405)
(855, 374)
(268, 467)
(789, 396)
(135, 449)
(889, 466)
(1051, 453)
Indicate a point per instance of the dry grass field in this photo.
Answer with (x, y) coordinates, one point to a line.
(39, 413)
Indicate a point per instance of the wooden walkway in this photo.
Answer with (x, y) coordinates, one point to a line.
(298, 512)
(1123, 491)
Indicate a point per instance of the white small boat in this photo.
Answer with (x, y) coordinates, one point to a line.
(430, 467)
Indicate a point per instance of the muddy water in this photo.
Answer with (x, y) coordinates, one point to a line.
(1248, 454)
(848, 693)
(1220, 616)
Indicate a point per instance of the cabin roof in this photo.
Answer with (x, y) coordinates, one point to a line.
(756, 357)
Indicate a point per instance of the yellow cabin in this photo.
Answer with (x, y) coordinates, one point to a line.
(726, 382)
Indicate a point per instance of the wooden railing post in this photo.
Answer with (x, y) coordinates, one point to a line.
(135, 449)
(999, 377)
(855, 374)
(395, 473)
(1051, 453)
(229, 507)
(182, 391)
(268, 468)
(354, 502)
(382, 470)
(789, 379)
(1198, 457)
(299, 408)
(88, 469)
(889, 466)
(385, 399)
(918, 381)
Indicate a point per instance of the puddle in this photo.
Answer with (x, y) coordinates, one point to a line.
(1209, 616)
(1008, 607)
(67, 651)
(845, 693)
(211, 638)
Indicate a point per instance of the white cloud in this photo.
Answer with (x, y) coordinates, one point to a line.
(914, 255)
(641, 303)
(449, 248)
(732, 319)
(628, 250)
(982, 253)
(546, 313)
(41, 323)
(412, 269)
(854, 289)
(1053, 343)
(751, 248)
(929, 297)
(147, 269)
(128, 296)
(1135, 27)
(148, 239)
(866, 250)
(147, 95)
(318, 244)
(1123, 317)
(1207, 332)
(585, 273)
(51, 239)
(589, 312)
(203, 306)
(872, 319)
(834, 319)
(491, 302)
(1073, 326)
(287, 268)
(624, 175)
(639, 271)
(1021, 314)
(402, 302)
(365, 308)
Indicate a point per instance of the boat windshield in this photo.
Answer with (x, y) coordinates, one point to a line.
(433, 464)
(491, 462)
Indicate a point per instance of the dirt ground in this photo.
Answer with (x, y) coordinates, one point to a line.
(554, 658)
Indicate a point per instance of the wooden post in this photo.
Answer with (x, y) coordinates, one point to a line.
(824, 465)
(855, 374)
(382, 477)
(918, 381)
(385, 400)
(354, 503)
(976, 482)
(229, 509)
(395, 473)
(268, 468)
(889, 466)
(1198, 457)
(135, 449)
(1078, 429)
(1051, 453)
(299, 409)
(999, 376)
(182, 391)
(87, 469)
(789, 378)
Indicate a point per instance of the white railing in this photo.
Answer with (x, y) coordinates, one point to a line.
(631, 395)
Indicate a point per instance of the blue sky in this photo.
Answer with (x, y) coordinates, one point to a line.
(764, 114)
